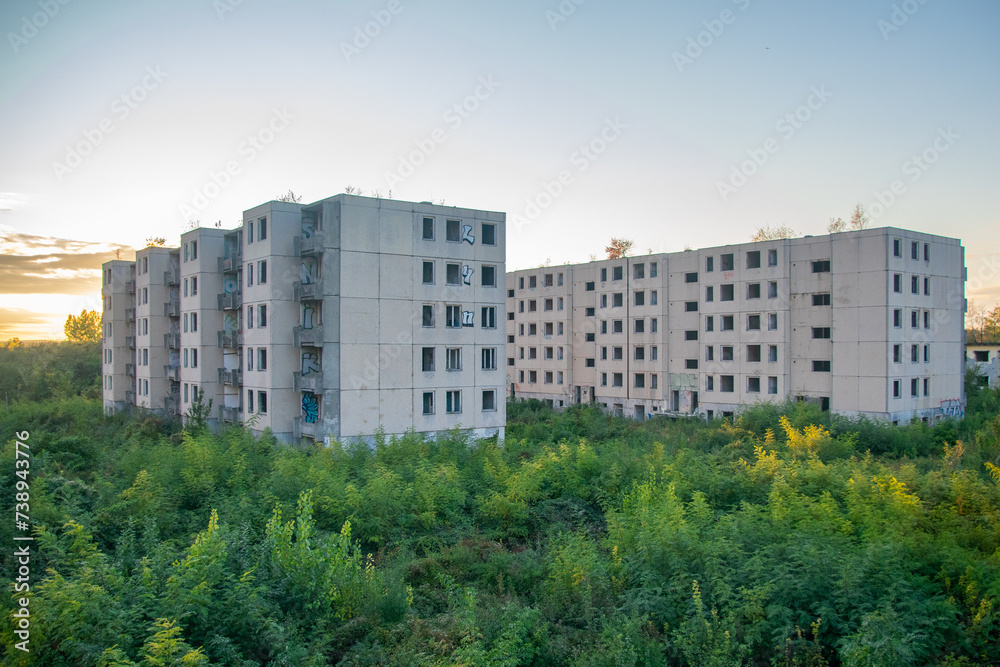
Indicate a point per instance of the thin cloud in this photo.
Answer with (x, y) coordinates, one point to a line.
(32, 264)
(11, 200)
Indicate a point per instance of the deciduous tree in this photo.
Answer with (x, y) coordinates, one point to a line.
(768, 233)
(85, 328)
(618, 248)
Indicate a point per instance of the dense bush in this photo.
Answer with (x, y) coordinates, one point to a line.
(786, 537)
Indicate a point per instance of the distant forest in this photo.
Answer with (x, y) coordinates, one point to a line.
(786, 537)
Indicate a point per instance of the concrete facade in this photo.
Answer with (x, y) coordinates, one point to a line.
(985, 360)
(865, 323)
(334, 320)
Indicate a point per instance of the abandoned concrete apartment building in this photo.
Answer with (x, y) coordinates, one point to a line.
(351, 315)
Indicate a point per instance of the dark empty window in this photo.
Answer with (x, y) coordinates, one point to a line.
(753, 259)
(821, 266)
(489, 236)
(453, 230)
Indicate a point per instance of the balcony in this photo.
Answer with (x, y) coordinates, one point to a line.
(230, 301)
(172, 341)
(231, 415)
(172, 308)
(171, 404)
(130, 341)
(311, 382)
(312, 337)
(172, 277)
(232, 339)
(130, 397)
(311, 245)
(172, 373)
(130, 369)
(234, 377)
(130, 313)
(305, 292)
(229, 264)
(302, 429)
(130, 287)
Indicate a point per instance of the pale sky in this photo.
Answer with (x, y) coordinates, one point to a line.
(673, 124)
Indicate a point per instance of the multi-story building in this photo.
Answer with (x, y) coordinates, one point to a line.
(984, 360)
(334, 320)
(864, 322)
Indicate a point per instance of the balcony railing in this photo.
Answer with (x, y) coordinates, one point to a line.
(231, 415)
(308, 382)
(311, 245)
(172, 341)
(230, 301)
(231, 339)
(233, 377)
(130, 341)
(172, 308)
(130, 287)
(172, 404)
(303, 429)
(312, 337)
(130, 397)
(130, 369)
(172, 373)
(172, 277)
(130, 313)
(305, 291)
(229, 264)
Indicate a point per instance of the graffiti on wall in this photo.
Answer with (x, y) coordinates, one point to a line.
(308, 272)
(229, 323)
(467, 274)
(308, 227)
(467, 234)
(468, 318)
(952, 407)
(310, 363)
(308, 314)
(310, 407)
(229, 285)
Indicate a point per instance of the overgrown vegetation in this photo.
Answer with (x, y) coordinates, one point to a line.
(785, 538)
